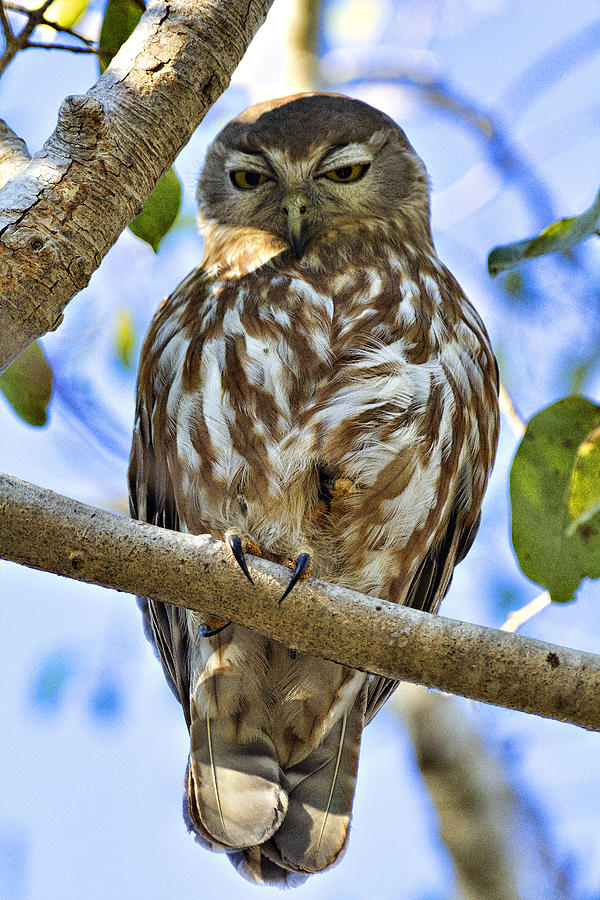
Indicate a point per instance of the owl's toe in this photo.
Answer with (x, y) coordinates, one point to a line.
(211, 626)
(302, 566)
(236, 545)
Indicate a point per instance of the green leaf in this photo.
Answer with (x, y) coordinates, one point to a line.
(554, 497)
(120, 20)
(27, 385)
(159, 211)
(560, 237)
(125, 338)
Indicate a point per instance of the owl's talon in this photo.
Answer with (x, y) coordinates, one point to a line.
(303, 563)
(235, 544)
(204, 631)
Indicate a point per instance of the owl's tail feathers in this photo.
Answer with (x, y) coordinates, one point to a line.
(314, 832)
(254, 866)
(233, 791)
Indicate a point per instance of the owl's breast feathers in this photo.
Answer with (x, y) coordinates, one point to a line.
(268, 389)
(347, 402)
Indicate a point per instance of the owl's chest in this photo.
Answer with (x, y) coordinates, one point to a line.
(262, 366)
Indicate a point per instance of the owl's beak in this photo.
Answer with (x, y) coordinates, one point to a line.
(296, 208)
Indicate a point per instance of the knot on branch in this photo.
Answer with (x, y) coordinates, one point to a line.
(81, 125)
(78, 559)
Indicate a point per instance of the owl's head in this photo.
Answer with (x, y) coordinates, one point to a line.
(303, 166)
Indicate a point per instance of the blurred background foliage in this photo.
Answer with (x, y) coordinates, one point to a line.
(501, 100)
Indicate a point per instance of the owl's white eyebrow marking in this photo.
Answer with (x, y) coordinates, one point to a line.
(349, 154)
(248, 161)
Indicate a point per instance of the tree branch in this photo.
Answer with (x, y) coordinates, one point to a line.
(14, 155)
(69, 48)
(61, 29)
(46, 531)
(110, 147)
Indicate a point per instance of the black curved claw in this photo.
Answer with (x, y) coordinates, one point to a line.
(209, 632)
(235, 542)
(302, 563)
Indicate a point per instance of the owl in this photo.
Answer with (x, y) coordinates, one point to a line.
(319, 392)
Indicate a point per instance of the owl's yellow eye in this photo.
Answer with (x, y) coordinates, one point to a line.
(347, 173)
(245, 181)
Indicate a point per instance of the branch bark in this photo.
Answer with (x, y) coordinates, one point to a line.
(14, 155)
(59, 217)
(47, 531)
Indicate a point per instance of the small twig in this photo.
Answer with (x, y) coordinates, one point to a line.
(8, 32)
(49, 24)
(518, 617)
(17, 42)
(68, 47)
(18, 9)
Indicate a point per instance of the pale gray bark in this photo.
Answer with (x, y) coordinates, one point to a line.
(61, 214)
(14, 155)
(46, 531)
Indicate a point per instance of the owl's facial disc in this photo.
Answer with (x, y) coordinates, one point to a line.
(298, 170)
(299, 199)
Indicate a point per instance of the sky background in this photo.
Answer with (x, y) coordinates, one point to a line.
(93, 746)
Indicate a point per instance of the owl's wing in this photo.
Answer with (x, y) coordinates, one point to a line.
(151, 499)
(427, 591)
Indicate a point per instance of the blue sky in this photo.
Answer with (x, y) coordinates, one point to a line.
(93, 747)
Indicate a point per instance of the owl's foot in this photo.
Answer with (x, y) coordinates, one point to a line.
(302, 564)
(212, 625)
(238, 545)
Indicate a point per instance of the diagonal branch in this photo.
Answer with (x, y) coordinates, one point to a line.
(14, 155)
(46, 531)
(109, 149)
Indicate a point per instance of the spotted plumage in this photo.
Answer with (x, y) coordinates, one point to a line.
(318, 389)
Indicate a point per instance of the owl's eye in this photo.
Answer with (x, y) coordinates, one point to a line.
(347, 173)
(245, 181)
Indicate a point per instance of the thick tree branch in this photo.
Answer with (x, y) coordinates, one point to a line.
(14, 155)
(46, 531)
(61, 215)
